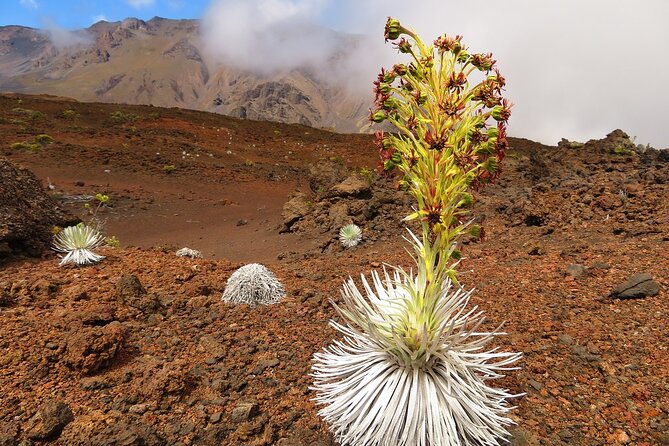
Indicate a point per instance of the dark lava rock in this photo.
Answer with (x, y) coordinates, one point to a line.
(324, 175)
(6, 298)
(91, 349)
(576, 270)
(120, 433)
(636, 287)
(6, 440)
(244, 411)
(49, 421)
(27, 213)
(521, 437)
(354, 185)
(294, 210)
(130, 291)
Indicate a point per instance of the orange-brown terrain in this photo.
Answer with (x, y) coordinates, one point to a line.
(140, 350)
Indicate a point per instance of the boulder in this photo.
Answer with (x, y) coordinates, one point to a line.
(49, 421)
(636, 287)
(130, 291)
(28, 213)
(91, 349)
(354, 185)
(294, 210)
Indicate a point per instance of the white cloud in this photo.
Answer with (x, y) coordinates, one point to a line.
(29, 4)
(63, 38)
(99, 17)
(574, 69)
(137, 4)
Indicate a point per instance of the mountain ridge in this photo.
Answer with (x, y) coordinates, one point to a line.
(164, 62)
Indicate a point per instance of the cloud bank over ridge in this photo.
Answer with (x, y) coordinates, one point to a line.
(574, 69)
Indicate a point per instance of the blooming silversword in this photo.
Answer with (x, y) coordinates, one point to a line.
(413, 367)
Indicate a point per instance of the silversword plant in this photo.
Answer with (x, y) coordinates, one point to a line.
(412, 368)
(253, 284)
(77, 243)
(350, 235)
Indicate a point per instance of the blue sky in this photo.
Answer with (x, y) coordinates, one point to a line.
(74, 14)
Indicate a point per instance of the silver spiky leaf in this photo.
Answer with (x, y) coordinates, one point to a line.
(410, 374)
(77, 243)
(350, 235)
(253, 284)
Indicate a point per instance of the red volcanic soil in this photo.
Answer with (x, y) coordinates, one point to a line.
(89, 356)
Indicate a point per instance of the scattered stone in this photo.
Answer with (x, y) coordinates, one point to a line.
(187, 252)
(265, 365)
(582, 352)
(91, 349)
(8, 440)
(354, 185)
(536, 251)
(242, 222)
(130, 291)
(49, 421)
(6, 298)
(636, 287)
(536, 385)
(619, 437)
(211, 346)
(565, 339)
(576, 270)
(94, 383)
(245, 411)
(139, 409)
(338, 215)
(215, 417)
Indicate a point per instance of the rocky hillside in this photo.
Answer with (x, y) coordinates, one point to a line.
(162, 62)
(140, 350)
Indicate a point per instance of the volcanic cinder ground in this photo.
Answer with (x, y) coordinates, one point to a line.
(161, 360)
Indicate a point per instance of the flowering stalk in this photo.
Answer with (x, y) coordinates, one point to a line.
(451, 135)
(412, 369)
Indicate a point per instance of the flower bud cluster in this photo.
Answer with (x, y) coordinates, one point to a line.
(451, 133)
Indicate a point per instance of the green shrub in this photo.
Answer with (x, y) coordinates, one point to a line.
(69, 114)
(30, 114)
(120, 117)
(169, 168)
(44, 139)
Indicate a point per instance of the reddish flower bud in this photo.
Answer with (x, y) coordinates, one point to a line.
(400, 69)
(403, 46)
(384, 88)
(378, 116)
(393, 29)
(419, 96)
(502, 112)
(445, 43)
(483, 62)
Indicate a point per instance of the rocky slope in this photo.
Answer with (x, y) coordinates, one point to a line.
(162, 62)
(140, 350)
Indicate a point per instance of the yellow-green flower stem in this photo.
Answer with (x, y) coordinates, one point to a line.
(438, 183)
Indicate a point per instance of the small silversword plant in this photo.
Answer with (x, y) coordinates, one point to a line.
(77, 243)
(253, 284)
(350, 235)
